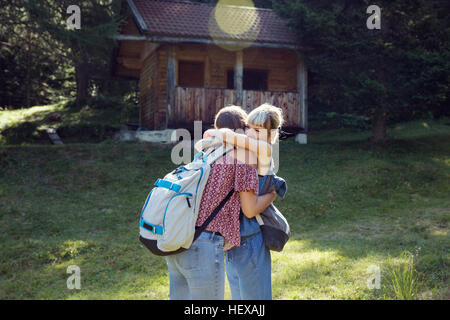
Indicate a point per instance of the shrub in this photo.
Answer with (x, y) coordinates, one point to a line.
(86, 132)
(22, 132)
(334, 120)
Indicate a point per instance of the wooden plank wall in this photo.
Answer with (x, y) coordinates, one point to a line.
(153, 76)
(148, 80)
(194, 104)
(282, 76)
(160, 115)
(129, 50)
(281, 64)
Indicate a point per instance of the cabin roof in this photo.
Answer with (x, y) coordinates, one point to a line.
(211, 22)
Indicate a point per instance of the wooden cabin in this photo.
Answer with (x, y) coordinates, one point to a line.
(192, 59)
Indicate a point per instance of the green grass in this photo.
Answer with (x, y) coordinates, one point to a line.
(404, 278)
(350, 206)
(94, 121)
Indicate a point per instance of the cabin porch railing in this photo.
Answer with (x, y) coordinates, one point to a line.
(195, 104)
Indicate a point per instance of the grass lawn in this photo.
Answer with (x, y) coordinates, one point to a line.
(352, 209)
(94, 121)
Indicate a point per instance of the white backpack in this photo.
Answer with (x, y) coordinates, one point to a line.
(168, 218)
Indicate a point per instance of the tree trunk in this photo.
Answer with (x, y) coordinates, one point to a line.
(82, 79)
(379, 126)
(104, 87)
(28, 82)
(28, 74)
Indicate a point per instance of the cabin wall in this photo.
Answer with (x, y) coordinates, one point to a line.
(280, 64)
(149, 91)
(128, 59)
(160, 116)
(130, 28)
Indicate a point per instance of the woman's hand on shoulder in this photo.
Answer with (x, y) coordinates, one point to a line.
(209, 133)
(219, 133)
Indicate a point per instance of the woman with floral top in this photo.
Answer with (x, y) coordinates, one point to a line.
(199, 273)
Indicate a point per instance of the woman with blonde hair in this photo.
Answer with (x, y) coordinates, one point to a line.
(199, 272)
(249, 265)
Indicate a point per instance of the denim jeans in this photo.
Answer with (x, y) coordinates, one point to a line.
(249, 269)
(198, 273)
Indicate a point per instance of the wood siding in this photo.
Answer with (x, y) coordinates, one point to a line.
(195, 104)
(203, 103)
(149, 91)
(128, 57)
(281, 64)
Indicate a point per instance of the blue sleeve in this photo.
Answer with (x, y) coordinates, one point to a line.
(280, 186)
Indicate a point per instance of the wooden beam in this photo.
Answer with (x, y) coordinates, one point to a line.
(125, 73)
(238, 44)
(238, 76)
(242, 44)
(207, 71)
(130, 63)
(171, 84)
(129, 37)
(137, 16)
(302, 89)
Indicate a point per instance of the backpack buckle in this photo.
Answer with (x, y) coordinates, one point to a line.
(198, 155)
(168, 185)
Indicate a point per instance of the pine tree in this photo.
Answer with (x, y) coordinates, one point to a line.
(392, 73)
(29, 60)
(90, 47)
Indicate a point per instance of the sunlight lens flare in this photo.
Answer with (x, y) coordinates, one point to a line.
(227, 22)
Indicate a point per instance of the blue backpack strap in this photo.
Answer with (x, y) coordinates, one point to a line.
(198, 155)
(168, 185)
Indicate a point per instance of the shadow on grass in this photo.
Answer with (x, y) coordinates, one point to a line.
(93, 122)
(108, 271)
(348, 208)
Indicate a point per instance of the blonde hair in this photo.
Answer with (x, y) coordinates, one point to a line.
(268, 117)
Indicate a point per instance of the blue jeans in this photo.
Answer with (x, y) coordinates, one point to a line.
(198, 273)
(249, 269)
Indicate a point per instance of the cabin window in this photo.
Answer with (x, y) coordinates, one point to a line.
(191, 74)
(253, 79)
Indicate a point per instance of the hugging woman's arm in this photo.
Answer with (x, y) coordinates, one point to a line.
(252, 204)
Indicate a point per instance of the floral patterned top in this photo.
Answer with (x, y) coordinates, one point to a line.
(225, 174)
